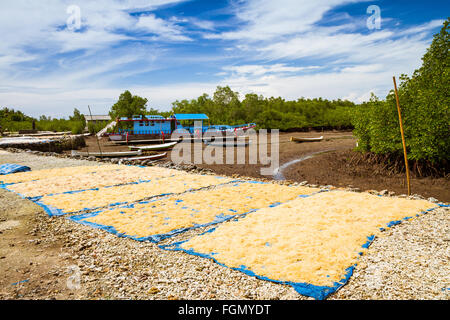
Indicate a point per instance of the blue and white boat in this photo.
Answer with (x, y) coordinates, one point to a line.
(155, 126)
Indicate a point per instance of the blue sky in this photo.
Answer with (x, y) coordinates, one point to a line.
(166, 50)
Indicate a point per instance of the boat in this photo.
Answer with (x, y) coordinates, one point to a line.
(107, 154)
(102, 132)
(155, 147)
(152, 127)
(116, 137)
(306, 139)
(153, 157)
(229, 144)
(149, 141)
(225, 138)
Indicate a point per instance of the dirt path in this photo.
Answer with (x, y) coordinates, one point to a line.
(31, 265)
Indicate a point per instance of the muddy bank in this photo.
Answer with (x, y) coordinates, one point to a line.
(336, 169)
(51, 144)
(324, 168)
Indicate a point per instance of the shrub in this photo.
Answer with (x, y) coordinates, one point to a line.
(424, 102)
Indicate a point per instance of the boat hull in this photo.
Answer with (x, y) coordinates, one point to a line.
(306, 139)
(116, 137)
(107, 154)
(153, 157)
(155, 147)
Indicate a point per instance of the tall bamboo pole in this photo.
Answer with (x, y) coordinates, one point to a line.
(95, 133)
(403, 137)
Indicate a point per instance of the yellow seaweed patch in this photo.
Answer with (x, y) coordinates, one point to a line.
(155, 218)
(73, 202)
(59, 184)
(46, 173)
(309, 240)
(202, 207)
(245, 196)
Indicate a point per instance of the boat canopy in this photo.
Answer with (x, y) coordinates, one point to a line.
(147, 117)
(191, 116)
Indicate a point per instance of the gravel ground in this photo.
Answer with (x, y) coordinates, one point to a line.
(36, 162)
(409, 261)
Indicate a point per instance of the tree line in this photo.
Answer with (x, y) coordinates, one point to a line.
(13, 120)
(225, 107)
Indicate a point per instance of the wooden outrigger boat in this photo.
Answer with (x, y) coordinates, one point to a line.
(107, 154)
(229, 144)
(153, 157)
(153, 127)
(306, 139)
(179, 139)
(155, 147)
(225, 138)
(148, 141)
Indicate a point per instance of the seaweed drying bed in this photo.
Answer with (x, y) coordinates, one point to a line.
(72, 202)
(160, 219)
(294, 235)
(46, 173)
(75, 181)
(310, 243)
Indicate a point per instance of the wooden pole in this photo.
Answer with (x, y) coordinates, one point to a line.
(403, 138)
(95, 133)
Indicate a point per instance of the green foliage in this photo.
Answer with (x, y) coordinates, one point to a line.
(270, 113)
(96, 127)
(424, 100)
(77, 116)
(77, 127)
(128, 105)
(60, 125)
(13, 121)
(164, 114)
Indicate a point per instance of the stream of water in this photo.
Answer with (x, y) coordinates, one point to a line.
(278, 172)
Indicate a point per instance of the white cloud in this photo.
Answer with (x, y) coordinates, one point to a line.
(203, 24)
(37, 60)
(164, 29)
(61, 102)
(41, 24)
(426, 27)
(265, 19)
(259, 70)
(354, 62)
(275, 48)
(332, 85)
(325, 43)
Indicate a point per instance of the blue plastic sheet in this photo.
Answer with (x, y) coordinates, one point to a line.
(152, 238)
(228, 214)
(306, 289)
(52, 211)
(9, 168)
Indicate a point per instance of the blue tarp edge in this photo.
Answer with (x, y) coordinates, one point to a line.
(306, 289)
(11, 168)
